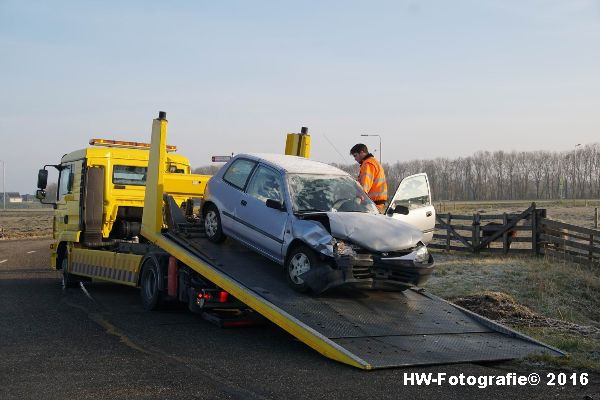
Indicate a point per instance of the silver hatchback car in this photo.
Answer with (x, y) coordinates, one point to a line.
(317, 222)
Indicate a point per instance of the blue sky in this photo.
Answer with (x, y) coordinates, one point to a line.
(433, 78)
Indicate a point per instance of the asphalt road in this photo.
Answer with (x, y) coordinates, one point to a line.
(64, 344)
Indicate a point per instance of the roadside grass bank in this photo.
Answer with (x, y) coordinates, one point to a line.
(26, 223)
(555, 302)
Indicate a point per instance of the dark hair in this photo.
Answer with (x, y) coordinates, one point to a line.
(357, 148)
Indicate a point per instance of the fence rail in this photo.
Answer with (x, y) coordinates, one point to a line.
(526, 232)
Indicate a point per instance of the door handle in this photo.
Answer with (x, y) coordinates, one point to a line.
(428, 214)
(243, 202)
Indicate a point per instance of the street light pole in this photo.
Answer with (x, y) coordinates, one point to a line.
(3, 185)
(379, 136)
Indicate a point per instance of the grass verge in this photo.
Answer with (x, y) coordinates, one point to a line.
(561, 300)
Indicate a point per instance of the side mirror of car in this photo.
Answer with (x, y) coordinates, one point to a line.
(42, 181)
(40, 194)
(276, 204)
(400, 210)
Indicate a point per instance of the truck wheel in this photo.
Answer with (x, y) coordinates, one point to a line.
(212, 224)
(299, 261)
(152, 298)
(68, 280)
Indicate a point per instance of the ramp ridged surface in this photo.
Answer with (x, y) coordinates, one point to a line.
(383, 328)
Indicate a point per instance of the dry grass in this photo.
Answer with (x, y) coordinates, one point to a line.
(556, 302)
(26, 223)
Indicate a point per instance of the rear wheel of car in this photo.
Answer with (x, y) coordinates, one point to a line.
(212, 224)
(300, 260)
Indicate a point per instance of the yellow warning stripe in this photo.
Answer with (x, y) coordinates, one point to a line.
(106, 265)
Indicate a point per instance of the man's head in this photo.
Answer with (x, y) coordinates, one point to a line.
(359, 151)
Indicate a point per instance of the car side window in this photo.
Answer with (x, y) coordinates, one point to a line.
(237, 174)
(413, 192)
(266, 184)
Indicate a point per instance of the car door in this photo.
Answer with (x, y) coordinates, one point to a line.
(264, 226)
(229, 194)
(415, 194)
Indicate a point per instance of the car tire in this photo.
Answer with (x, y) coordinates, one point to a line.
(212, 224)
(300, 260)
(69, 281)
(152, 298)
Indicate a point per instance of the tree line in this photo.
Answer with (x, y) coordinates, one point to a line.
(499, 175)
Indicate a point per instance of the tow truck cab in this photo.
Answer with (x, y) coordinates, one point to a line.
(100, 194)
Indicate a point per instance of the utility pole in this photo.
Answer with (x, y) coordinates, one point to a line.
(379, 136)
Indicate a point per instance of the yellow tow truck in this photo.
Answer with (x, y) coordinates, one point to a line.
(127, 213)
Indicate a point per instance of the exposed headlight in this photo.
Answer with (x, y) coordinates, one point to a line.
(341, 248)
(421, 254)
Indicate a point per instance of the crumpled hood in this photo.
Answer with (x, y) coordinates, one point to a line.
(373, 232)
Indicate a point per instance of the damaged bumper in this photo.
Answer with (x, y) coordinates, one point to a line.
(372, 271)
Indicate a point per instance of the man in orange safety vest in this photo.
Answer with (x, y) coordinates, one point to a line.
(371, 176)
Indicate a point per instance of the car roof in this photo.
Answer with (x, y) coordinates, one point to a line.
(295, 165)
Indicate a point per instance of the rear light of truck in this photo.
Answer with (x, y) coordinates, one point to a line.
(204, 296)
(223, 296)
(219, 296)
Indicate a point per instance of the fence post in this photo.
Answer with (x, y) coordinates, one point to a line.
(596, 218)
(534, 231)
(539, 215)
(448, 232)
(476, 232)
(505, 234)
(591, 253)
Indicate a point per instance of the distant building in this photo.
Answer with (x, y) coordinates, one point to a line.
(11, 197)
(28, 198)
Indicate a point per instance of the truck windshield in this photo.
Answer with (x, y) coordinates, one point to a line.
(129, 175)
(314, 193)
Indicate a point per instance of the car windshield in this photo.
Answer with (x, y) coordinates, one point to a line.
(314, 193)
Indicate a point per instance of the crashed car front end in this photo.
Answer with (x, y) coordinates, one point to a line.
(399, 269)
(348, 263)
(357, 245)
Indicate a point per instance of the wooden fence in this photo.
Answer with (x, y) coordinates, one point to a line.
(528, 232)
(569, 242)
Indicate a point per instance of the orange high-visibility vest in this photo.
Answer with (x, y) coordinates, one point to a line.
(372, 180)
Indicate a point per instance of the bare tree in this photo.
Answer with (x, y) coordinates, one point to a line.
(538, 165)
(207, 169)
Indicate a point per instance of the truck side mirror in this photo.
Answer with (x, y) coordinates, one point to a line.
(42, 181)
(40, 194)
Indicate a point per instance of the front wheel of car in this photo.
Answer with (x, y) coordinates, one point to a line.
(212, 224)
(300, 260)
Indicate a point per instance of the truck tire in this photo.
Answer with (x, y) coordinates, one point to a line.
(299, 261)
(69, 281)
(212, 224)
(151, 275)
